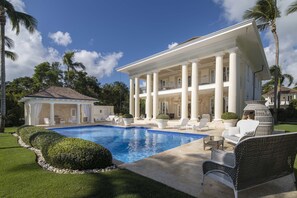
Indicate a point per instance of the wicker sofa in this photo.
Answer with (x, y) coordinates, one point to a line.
(255, 160)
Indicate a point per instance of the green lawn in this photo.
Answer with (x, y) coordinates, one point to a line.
(20, 176)
(287, 127)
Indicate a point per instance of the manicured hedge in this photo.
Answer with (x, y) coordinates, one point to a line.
(42, 140)
(74, 153)
(26, 133)
(21, 127)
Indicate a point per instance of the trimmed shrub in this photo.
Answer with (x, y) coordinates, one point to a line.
(42, 140)
(74, 153)
(26, 133)
(21, 127)
(229, 116)
(127, 116)
(163, 116)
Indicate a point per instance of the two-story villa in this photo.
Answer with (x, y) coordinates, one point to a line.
(210, 74)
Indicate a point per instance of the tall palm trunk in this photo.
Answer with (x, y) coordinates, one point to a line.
(2, 62)
(277, 84)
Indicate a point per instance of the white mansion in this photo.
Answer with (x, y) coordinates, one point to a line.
(204, 75)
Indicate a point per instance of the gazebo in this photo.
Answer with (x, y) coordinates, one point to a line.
(58, 105)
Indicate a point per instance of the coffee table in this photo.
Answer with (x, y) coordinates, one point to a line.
(214, 142)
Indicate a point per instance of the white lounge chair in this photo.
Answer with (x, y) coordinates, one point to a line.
(202, 125)
(182, 124)
(110, 118)
(47, 121)
(243, 129)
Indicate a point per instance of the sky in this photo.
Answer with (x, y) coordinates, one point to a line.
(107, 34)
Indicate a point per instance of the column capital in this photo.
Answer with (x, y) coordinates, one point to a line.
(233, 50)
(219, 54)
(184, 63)
(195, 60)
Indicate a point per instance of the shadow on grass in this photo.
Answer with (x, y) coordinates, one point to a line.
(12, 147)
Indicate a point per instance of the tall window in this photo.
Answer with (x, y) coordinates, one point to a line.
(164, 107)
(212, 76)
(226, 74)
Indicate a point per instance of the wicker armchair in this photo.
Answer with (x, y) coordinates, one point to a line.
(255, 160)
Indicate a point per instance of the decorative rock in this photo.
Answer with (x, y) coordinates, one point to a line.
(41, 161)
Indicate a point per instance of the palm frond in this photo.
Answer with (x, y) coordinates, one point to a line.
(9, 42)
(11, 55)
(27, 20)
(292, 8)
(289, 77)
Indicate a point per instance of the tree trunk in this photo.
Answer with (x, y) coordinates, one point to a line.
(2, 62)
(276, 74)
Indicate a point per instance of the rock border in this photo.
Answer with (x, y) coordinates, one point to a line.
(41, 161)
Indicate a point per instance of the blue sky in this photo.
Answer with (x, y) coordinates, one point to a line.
(111, 33)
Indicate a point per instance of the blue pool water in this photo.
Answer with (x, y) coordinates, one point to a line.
(130, 144)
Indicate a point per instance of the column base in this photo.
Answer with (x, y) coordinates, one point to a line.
(193, 119)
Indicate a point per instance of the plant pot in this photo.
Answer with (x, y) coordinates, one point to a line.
(230, 123)
(161, 123)
(127, 121)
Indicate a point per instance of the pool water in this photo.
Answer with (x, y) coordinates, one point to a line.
(130, 144)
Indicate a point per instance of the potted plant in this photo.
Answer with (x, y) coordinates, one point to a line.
(162, 120)
(229, 119)
(128, 119)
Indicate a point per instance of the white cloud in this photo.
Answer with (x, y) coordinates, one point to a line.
(97, 64)
(61, 38)
(19, 5)
(31, 52)
(286, 28)
(171, 45)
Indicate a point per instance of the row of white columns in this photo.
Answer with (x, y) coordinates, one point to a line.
(33, 119)
(219, 89)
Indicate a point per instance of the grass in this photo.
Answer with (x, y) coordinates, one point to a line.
(22, 177)
(286, 127)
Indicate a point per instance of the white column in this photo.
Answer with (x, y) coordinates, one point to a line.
(131, 102)
(137, 101)
(52, 114)
(30, 115)
(233, 81)
(78, 113)
(184, 98)
(92, 113)
(26, 113)
(194, 95)
(148, 105)
(219, 87)
(155, 95)
(295, 96)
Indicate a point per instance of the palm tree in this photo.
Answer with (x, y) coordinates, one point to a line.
(269, 85)
(71, 66)
(16, 18)
(292, 8)
(265, 12)
(10, 44)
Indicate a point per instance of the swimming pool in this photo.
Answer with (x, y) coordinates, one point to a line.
(130, 144)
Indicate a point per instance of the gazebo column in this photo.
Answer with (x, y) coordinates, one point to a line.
(148, 105)
(194, 95)
(233, 81)
(137, 100)
(92, 113)
(78, 113)
(184, 98)
(30, 114)
(52, 114)
(219, 87)
(155, 95)
(131, 100)
(26, 113)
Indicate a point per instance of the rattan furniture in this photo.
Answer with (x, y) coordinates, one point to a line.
(255, 160)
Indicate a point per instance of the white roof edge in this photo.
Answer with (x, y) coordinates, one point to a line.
(24, 99)
(193, 42)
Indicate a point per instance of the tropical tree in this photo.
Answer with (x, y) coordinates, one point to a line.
(16, 18)
(265, 12)
(292, 8)
(71, 66)
(10, 44)
(283, 78)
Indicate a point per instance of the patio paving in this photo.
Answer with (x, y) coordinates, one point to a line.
(181, 168)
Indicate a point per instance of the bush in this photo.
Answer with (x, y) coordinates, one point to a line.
(74, 153)
(21, 127)
(127, 116)
(42, 140)
(26, 133)
(229, 116)
(163, 116)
